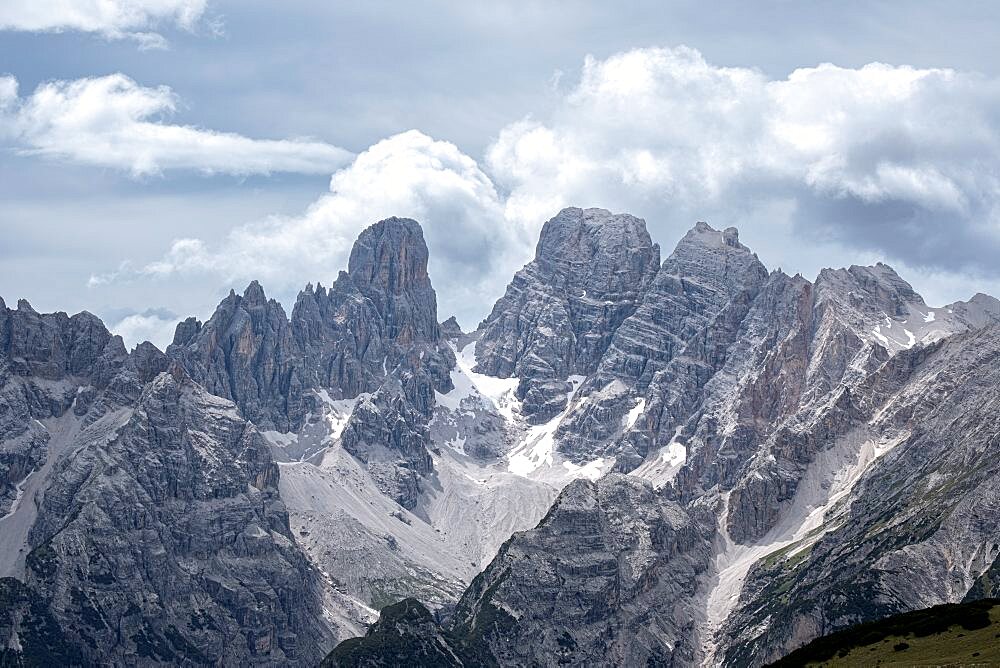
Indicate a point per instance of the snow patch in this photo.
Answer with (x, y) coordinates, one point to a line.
(633, 415)
(499, 392)
(881, 337)
(538, 444)
(662, 468)
(339, 411)
(591, 470)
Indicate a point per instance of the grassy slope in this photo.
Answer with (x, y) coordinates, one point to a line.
(966, 634)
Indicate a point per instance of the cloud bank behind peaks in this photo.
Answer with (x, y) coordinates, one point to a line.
(900, 161)
(112, 19)
(409, 175)
(828, 166)
(112, 121)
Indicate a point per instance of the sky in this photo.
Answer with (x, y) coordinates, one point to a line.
(155, 154)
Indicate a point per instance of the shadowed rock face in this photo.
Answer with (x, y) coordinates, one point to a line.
(388, 264)
(163, 538)
(150, 527)
(405, 634)
(49, 364)
(604, 579)
(355, 334)
(53, 346)
(561, 310)
(922, 526)
(601, 580)
(245, 353)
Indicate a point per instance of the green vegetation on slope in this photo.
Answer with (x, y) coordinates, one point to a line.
(963, 634)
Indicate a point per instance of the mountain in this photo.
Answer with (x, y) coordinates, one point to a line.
(561, 311)
(377, 322)
(148, 526)
(689, 462)
(608, 576)
(758, 406)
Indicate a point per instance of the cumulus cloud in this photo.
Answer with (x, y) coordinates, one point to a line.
(112, 19)
(112, 121)
(8, 92)
(409, 175)
(153, 325)
(900, 160)
(879, 162)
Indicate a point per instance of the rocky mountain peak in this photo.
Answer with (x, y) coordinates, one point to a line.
(561, 310)
(245, 353)
(254, 295)
(703, 236)
(147, 361)
(575, 236)
(979, 311)
(872, 289)
(186, 330)
(715, 260)
(54, 345)
(450, 328)
(390, 255)
(388, 264)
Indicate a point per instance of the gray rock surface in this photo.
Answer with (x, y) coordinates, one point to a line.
(561, 310)
(782, 397)
(921, 524)
(49, 364)
(373, 332)
(606, 578)
(245, 353)
(145, 521)
(163, 539)
(356, 333)
(687, 317)
(792, 457)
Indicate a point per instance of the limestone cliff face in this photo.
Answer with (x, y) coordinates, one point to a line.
(771, 414)
(245, 352)
(560, 312)
(920, 526)
(606, 578)
(163, 539)
(373, 332)
(681, 330)
(49, 364)
(787, 457)
(355, 334)
(145, 525)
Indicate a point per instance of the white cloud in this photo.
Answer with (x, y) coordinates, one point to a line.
(8, 92)
(112, 121)
(895, 158)
(153, 325)
(408, 175)
(827, 166)
(112, 19)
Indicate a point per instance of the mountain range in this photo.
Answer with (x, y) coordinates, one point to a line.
(633, 460)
